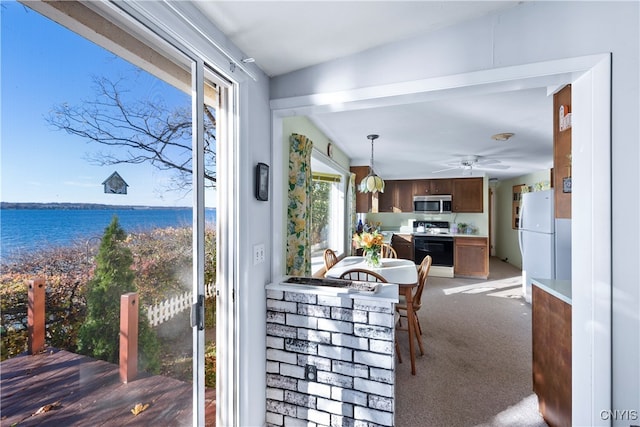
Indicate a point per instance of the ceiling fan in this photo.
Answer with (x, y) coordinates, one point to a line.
(468, 163)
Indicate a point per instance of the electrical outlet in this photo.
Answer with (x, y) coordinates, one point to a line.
(258, 254)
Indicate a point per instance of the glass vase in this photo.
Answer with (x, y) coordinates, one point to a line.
(372, 258)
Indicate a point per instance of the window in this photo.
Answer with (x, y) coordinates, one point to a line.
(327, 211)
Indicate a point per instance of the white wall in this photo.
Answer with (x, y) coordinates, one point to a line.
(506, 243)
(530, 33)
(255, 217)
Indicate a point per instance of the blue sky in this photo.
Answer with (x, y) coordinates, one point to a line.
(42, 65)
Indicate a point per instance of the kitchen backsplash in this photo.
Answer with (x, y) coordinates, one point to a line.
(393, 221)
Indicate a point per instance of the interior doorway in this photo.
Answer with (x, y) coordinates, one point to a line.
(591, 101)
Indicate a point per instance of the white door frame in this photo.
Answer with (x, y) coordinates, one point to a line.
(591, 262)
(591, 104)
(197, 107)
(228, 268)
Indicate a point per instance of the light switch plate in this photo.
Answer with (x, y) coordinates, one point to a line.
(258, 254)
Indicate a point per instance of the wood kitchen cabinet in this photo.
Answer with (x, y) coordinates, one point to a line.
(471, 257)
(467, 195)
(387, 200)
(403, 244)
(397, 196)
(422, 187)
(363, 200)
(405, 196)
(551, 354)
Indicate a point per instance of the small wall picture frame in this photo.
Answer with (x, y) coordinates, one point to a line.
(566, 185)
(262, 182)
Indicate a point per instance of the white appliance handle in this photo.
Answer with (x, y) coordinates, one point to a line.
(520, 223)
(520, 242)
(523, 209)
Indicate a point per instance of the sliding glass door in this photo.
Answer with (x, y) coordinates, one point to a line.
(136, 143)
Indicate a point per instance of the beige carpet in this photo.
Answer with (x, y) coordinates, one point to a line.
(476, 370)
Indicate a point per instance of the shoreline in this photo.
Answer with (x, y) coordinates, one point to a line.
(82, 206)
(26, 230)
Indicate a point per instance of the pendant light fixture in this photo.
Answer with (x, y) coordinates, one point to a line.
(372, 183)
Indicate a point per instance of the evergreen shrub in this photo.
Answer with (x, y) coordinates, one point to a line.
(99, 334)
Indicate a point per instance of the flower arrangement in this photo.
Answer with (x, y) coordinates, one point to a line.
(371, 245)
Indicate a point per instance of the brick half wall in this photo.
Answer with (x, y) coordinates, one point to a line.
(330, 360)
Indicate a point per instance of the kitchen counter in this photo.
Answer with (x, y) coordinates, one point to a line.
(483, 236)
(469, 256)
(415, 233)
(560, 289)
(386, 236)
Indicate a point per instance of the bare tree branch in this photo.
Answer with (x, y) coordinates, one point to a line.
(139, 132)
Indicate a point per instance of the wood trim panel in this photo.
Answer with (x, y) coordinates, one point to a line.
(551, 354)
(561, 154)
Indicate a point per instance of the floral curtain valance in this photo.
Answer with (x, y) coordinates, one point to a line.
(299, 206)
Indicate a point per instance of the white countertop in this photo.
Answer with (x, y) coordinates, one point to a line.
(560, 289)
(388, 292)
(414, 233)
(480, 236)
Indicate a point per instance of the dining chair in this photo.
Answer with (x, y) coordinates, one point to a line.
(387, 251)
(330, 259)
(423, 274)
(362, 275)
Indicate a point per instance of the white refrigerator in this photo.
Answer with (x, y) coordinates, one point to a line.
(537, 238)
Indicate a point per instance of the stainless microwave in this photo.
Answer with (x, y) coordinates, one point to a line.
(432, 204)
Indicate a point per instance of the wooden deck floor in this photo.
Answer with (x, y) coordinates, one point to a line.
(86, 391)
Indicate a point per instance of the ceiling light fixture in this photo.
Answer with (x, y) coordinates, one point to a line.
(504, 136)
(372, 183)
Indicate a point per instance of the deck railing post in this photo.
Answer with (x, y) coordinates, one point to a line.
(128, 336)
(35, 315)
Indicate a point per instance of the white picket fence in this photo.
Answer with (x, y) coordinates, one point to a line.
(165, 310)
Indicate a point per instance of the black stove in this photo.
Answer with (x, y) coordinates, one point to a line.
(435, 241)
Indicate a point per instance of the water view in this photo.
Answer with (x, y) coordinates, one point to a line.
(23, 230)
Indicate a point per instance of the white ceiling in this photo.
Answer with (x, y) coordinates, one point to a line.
(417, 138)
